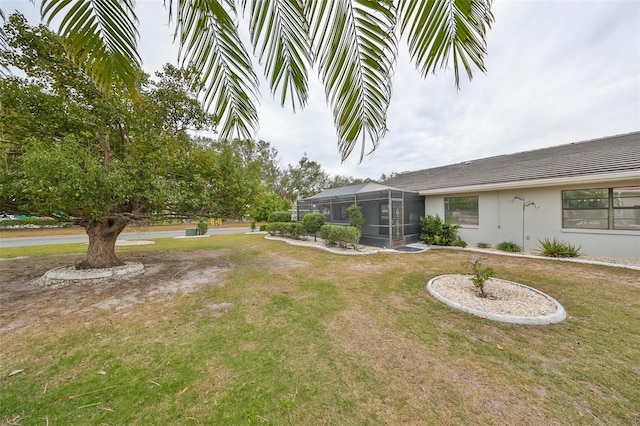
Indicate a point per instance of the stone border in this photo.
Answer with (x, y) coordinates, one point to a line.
(120, 243)
(347, 252)
(66, 273)
(538, 257)
(558, 316)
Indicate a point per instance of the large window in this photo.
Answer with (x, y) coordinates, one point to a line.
(461, 210)
(602, 208)
(626, 207)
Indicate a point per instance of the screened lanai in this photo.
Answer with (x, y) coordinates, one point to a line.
(391, 216)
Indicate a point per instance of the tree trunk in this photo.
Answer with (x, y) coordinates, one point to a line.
(102, 242)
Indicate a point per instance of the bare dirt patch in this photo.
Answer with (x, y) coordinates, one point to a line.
(25, 304)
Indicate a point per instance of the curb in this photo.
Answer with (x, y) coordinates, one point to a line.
(558, 316)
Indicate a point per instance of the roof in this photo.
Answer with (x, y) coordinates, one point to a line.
(613, 155)
(362, 188)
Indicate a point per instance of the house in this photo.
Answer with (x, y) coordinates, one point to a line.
(584, 193)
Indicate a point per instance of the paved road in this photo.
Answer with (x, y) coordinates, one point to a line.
(68, 239)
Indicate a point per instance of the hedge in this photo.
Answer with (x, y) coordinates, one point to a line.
(342, 236)
(293, 230)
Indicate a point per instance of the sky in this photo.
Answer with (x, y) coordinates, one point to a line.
(557, 72)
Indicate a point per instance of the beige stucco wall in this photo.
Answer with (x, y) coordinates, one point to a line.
(501, 220)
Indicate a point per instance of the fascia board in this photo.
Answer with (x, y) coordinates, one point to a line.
(632, 175)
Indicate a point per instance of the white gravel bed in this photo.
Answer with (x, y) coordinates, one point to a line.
(504, 297)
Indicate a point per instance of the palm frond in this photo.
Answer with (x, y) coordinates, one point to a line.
(443, 31)
(209, 42)
(101, 35)
(279, 31)
(355, 47)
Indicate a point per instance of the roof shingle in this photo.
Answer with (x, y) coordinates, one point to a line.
(619, 153)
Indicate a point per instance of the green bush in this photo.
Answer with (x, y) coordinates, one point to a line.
(556, 248)
(356, 219)
(461, 243)
(509, 246)
(275, 228)
(281, 216)
(484, 245)
(341, 236)
(293, 230)
(438, 233)
(263, 228)
(203, 225)
(33, 221)
(312, 223)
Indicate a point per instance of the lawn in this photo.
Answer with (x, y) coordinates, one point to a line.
(240, 330)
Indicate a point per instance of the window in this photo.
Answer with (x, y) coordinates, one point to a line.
(585, 209)
(626, 208)
(461, 210)
(602, 208)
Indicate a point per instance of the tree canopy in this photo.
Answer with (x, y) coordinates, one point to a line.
(352, 44)
(69, 149)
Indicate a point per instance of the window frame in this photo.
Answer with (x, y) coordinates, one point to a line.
(456, 220)
(589, 204)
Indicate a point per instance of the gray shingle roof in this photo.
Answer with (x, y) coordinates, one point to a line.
(362, 188)
(619, 153)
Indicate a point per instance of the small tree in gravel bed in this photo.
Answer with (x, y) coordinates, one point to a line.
(479, 275)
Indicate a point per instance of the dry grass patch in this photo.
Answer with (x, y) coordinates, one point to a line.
(288, 335)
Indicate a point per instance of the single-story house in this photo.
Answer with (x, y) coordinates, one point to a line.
(583, 193)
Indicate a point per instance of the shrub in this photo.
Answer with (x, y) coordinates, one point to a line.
(312, 223)
(484, 245)
(276, 228)
(356, 219)
(263, 228)
(281, 216)
(341, 236)
(33, 222)
(480, 275)
(556, 248)
(294, 230)
(509, 246)
(286, 229)
(461, 243)
(438, 233)
(203, 225)
(253, 225)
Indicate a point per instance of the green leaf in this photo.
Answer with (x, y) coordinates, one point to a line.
(440, 32)
(355, 46)
(101, 35)
(280, 32)
(209, 42)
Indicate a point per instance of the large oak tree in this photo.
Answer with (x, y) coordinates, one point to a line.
(103, 160)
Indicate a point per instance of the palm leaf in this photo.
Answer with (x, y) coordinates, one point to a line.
(209, 42)
(280, 32)
(355, 47)
(443, 31)
(101, 35)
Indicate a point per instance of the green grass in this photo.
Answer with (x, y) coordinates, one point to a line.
(316, 338)
(160, 244)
